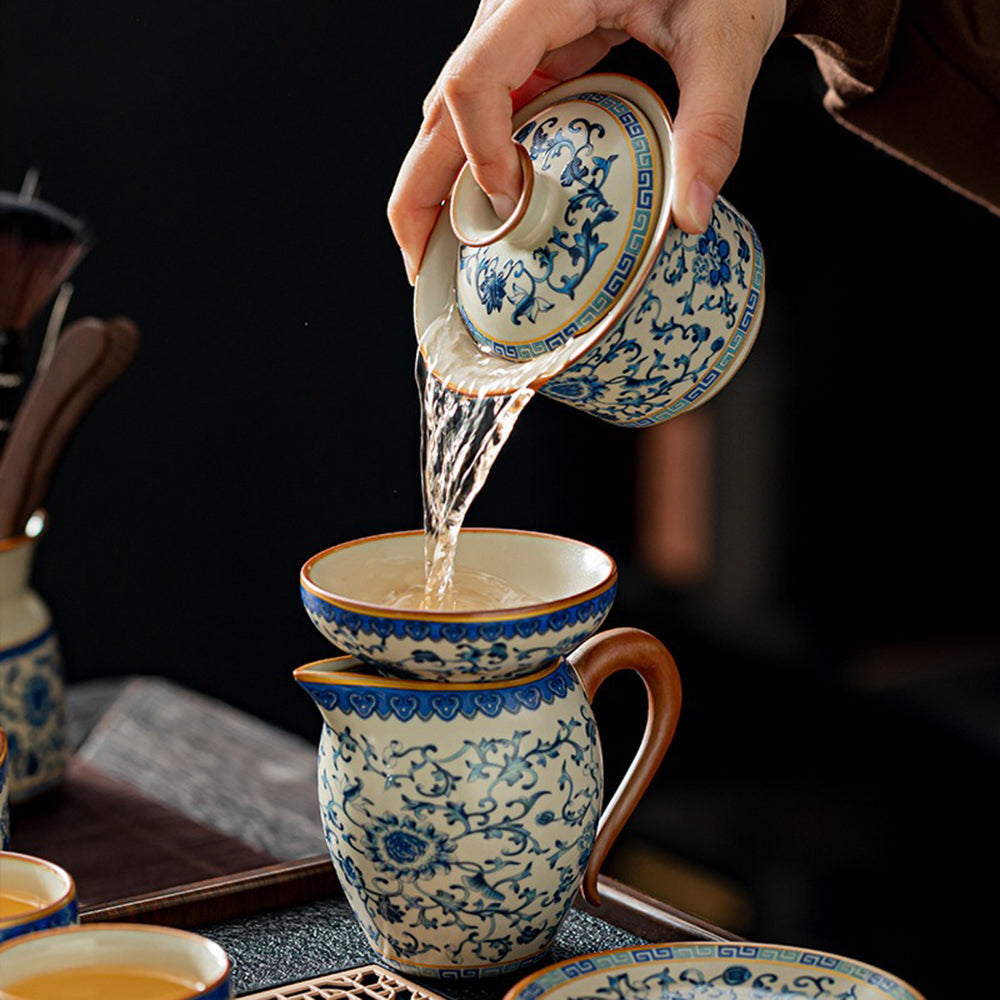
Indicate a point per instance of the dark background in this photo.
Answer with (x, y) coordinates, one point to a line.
(836, 760)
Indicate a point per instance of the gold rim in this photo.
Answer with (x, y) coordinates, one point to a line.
(304, 673)
(527, 176)
(142, 928)
(19, 918)
(507, 614)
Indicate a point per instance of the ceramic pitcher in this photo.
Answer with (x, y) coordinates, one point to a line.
(31, 677)
(462, 817)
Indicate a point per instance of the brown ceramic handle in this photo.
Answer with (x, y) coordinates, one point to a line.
(595, 661)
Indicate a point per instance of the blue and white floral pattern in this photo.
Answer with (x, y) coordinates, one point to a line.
(459, 846)
(687, 331)
(565, 283)
(32, 713)
(444, 649)
(713, 972)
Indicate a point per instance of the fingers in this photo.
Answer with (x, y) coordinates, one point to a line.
(715, 53)
(518, 48)
(496, 59)
(708, 133)
(468, 113)
(423, 182)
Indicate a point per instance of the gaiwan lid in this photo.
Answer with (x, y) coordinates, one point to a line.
(596, 174)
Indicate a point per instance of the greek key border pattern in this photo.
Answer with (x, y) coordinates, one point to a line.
(644, 160)
(887, 985)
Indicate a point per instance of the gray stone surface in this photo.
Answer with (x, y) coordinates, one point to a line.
(301, 942)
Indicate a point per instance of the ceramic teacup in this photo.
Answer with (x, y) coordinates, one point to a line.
(35, 894)
(32, 690)
(115, 962)
(4, 794)
(344, 594)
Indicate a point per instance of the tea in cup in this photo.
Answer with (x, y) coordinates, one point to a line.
(527, 599)
(114, 962)
(35, 895)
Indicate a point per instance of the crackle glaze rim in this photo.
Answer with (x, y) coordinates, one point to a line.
(204, 994)
(456, 617)
(652, 106)
(30, 916)
(518, 989)
(336, 678)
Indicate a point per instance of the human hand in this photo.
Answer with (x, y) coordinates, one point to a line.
(515, 49)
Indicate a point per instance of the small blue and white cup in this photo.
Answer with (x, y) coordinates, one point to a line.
(201, 969)
(4, 794)
(35, 895)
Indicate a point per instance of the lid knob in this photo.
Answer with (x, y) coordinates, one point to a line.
(476, 224)
(592, 192)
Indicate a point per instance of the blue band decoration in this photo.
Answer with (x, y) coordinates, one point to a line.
(468, 631)
(405, 704)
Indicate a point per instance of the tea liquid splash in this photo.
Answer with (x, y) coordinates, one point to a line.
(462, 434)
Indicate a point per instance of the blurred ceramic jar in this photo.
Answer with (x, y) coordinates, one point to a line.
(32, 710)
(4, 794)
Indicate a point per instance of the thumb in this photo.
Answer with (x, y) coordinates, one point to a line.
(714, 88)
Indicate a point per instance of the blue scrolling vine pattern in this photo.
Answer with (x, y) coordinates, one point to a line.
(663, 354)
(463, 856)
(467, 650)
(511, 281)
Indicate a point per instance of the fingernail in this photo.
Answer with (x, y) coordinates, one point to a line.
(701, 198)
(411, 271)
(503, 205)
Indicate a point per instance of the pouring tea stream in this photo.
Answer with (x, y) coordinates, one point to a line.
(587, 293)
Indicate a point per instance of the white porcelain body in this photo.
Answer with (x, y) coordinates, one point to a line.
(36, 877)
(459, 817)
(669, 335)
(164, 949)
(32, 696)
(4, 794)
(575, 582)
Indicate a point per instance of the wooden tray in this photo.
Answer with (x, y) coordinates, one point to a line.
(290, 883)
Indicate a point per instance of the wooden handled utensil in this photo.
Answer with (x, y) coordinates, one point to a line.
(89, 356)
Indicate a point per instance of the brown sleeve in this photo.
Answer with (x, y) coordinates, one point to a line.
(919, 78)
